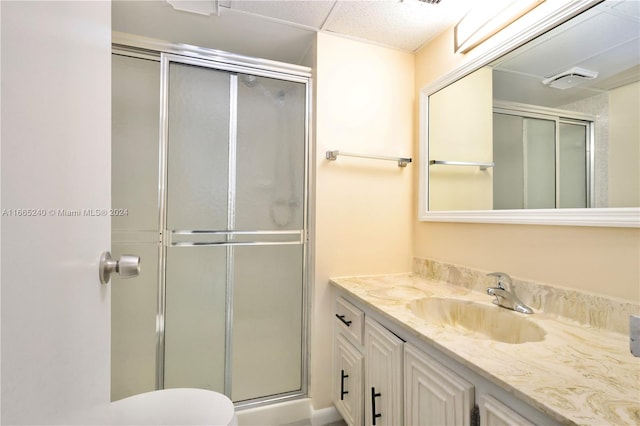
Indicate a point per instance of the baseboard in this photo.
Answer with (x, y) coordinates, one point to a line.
(325, 416)
(276, 414)
(298, 412)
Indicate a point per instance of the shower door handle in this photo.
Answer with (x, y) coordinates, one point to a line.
(127, 266)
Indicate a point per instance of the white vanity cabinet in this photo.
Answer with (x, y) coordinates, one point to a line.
(348, 380)
(348, 362)
(495, 413)
(367, 369)
(434, 395)
(383, 376)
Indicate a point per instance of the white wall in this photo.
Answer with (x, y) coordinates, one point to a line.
(364, 97)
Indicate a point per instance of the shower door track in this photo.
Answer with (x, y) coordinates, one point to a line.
(165, 52)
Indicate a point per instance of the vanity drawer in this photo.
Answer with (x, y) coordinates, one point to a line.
(350, 319)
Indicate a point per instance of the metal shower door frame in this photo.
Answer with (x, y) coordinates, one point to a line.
(167, 237)
(191, 55)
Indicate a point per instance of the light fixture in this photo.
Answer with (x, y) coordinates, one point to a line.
(487, 18)
(570, 78)
(201, 7)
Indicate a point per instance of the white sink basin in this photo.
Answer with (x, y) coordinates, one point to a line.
(477, 320)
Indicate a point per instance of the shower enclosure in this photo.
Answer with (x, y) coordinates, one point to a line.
(210, 161)
(542, 160)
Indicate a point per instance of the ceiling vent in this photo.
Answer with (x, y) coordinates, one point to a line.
(570, 78)
(201, 7)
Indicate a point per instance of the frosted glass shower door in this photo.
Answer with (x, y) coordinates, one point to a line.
(235, 237)
(540, 163)
(508, 156)
(196, 200)
(573, 161)
(268, 278)
(524, 152)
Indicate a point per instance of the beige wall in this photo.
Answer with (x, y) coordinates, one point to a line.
(363, 208)
(462, 187)
(599, 260)
(624, 146)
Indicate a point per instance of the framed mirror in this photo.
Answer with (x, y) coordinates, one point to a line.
(542, 129)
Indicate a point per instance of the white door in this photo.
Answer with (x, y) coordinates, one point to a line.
(55, 188)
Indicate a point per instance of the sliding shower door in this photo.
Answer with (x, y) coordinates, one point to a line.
(234, 191)
(541, 161)
(197, 187)
(573, 164)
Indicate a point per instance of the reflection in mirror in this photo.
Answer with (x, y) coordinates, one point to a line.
(543, 160)
(557, 119)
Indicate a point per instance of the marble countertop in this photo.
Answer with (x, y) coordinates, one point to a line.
(577, 374)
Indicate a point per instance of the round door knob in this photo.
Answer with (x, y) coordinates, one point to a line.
(127, 266)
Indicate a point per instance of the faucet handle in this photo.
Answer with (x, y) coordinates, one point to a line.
(503, 278)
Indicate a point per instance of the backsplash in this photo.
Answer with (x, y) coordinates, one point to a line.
(585, 308)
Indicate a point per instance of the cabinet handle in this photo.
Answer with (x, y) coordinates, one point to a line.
(341, 318)
(342, 391)
(374, 395)
(475, 416)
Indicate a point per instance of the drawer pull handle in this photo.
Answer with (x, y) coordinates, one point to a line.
(341, 318)
(374, 395)
(342, 391)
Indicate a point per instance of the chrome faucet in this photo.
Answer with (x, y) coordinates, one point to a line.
(505, 297)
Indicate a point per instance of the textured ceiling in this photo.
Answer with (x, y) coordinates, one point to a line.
(405, 25)
(284, 30)
(605, 39)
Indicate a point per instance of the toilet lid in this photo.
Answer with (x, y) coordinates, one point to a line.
(174, 407)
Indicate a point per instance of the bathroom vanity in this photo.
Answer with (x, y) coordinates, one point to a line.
(403, 354)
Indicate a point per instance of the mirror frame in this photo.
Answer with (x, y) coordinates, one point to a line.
(616, 217)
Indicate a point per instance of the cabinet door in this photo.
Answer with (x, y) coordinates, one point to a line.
(383, 376)
(347, 381)
(495, 413)
(434, 395)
